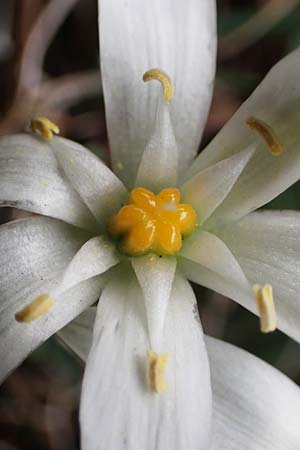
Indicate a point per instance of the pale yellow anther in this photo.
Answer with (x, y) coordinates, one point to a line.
(44, 127)
(267, 133)
(40, 306)
(165, 80)
(157, 368)
(266, 307)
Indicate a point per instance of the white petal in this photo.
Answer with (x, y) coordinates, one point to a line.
(100, 189)
(178, 37)
(158, 168)
(267, 246)
(117, 408)
(206, 190)
(252, 391)
(276, 101)
(249, 396)
(211, 252)
(93, 258)
(214, 281)
(21, 339)
(255, 407)
(156, 276)
(33, 252)
(30, 179)
(78, 334)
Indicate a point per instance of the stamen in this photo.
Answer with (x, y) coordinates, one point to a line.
(35, 309)
(163, 77)
(266, 307)
(44, 127)
(267, 133)
(157, 367)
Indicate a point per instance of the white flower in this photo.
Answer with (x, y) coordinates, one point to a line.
(146, 304)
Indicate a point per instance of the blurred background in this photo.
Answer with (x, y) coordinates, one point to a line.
(49, 65)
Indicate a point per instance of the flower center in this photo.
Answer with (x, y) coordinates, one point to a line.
(153, 222)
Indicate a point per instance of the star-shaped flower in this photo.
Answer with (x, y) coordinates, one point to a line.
(135, 237)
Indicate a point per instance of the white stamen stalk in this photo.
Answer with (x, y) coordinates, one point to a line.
(159, 163)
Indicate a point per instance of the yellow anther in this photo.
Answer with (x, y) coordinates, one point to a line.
(163, 77)
(153, 222)
(35, 309)
(266, 307)
(267, 133)
(44, 127)
(157, 368)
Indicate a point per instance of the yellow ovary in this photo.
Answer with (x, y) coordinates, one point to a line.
(153, 222)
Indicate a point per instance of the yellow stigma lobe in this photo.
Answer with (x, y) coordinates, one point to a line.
(157, 367)
(36, 309)
(153, 222)
(266, 307)
(165, 80)
(267, 133)
(44, 127)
